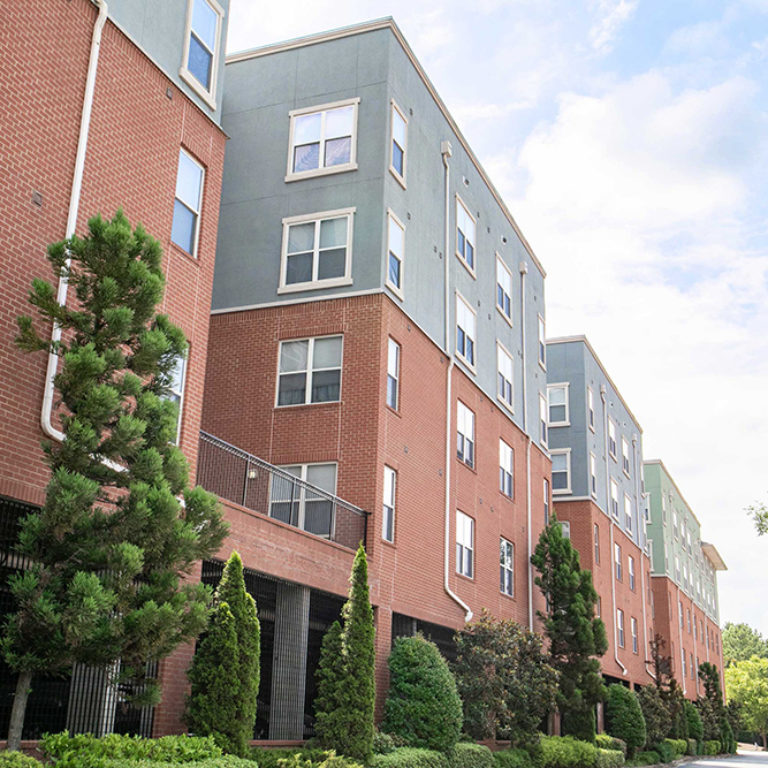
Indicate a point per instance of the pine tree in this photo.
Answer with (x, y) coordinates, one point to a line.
(231, 718)
(625, 717)
(576, 637)
(108, 551)
(329, 673)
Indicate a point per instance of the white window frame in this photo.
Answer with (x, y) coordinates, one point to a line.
(590, 409)
(628, 512)
(317, 219)
(612, 439)
(472, 337)
(309, 371)
(567, 453)
(322, 170)
(506, 295)
(388, 504)
(596, 542)
(396, 109)
(566, 422)
(506, 469)
(613, 501)
(459, 255)
(465, 416)
(208, 95)
(618, 569)
(177, 393)
(465, 566)
(302, 500)
(197, 212)
(592, 475)
(543, 420)
(507, 567)
(392, 345)
(633, 629)
(547, 501)
(625, 464)
(396, 289)
(565, 528)
(620, 626)
(542, 354)
(507, 384)
(631, 571)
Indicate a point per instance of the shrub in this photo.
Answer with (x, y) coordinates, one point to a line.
(648, 757)
(383, 743)
(468, 755)
(270, 758)
(712, 747)
(625, 718)
(664, 751)
(225, 761)
(423, 707)
(609, 758)
(691, 747)
(604, 741)
(655, 713)
(328, 760)
(411, 757)
(18, 760)
(727, 741)
(695, 727)
(567, 752)
(513, 758)
(678, 746)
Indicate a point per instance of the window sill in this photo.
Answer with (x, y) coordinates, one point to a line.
(398, 178)
(388, 543)
(559, 424)
(197, 87)
(506, 405)
(316, 285)
(328, 171)
(508, 596)
(561, 491)
(507, 320)
(466, 266)
(393, 411)
(543, 366)
(466, 363)
(466, 578)
(296, 406)
(626, 474)
(397, 291)
(185, 254)
(464, 464)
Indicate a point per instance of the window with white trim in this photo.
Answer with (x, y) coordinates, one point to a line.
(625, 455)
(557, 396)
(465, 434)
(590, 409)
(465, 545)
(201, 47)
(628, 514)
(505, 375)
(323, 139)
(399, 143)
(593, 475)
(507, 567)
(614, 498)
(561, 470)
(565, 529)
(680, 613)
(317, 250)
(503, 289)
(542, 343)
(466, 334)
(631, 571)
(599, 607)
(185, 229)
(388, 510)
(395, 253)
(546, 501)
(682, 651)
(596, 539)
(612, 438)
(393, 374)
(310, 371)
(543, 420)
(465, 235)
(506, 469)
(620, 626)
(175, 393)
(297, 505)
(617, 562)
(633, 626)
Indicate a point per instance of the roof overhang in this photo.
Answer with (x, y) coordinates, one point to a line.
(713, 556)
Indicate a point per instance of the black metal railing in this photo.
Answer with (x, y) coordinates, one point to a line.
(238, 476)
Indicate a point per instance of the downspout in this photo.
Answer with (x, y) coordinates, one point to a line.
(681, 618)
(446, 151)
(74, 205)
(529, 515)
(636, 470)
(612, 523)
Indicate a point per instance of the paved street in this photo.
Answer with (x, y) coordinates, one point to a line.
(744, 759)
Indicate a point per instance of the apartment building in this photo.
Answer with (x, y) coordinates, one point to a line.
(684, 580)
(595, 443)
(376, 364)
(106, 108)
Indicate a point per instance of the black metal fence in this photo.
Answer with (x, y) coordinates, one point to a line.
(240, 477)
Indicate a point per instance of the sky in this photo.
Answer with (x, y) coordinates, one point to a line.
(629, 139)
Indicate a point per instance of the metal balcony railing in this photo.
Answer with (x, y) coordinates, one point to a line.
(238, 476)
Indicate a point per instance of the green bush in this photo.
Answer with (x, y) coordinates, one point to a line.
(625, 718)
(329, 760)
(690, 746)
(604, 741)
(664, 751)
(423, 707)
(383, 743)
(678, 747)
(270, 758)
(712, 747)
(609, 758)
(18, 760)
(655, 713)
(727, 741)
(695, 727)
(468, 755)
(647, 757)
(513, 758)
(411, 757)
(225, 761)
(567, 752)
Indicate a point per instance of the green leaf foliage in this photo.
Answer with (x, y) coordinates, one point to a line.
(747, 684)
(648, 757)
(423, 708)
(625, 717)
(517, 757)
(411, 757)
(111, 546)
(468, 755)
(655, 714)
(567, 752)
(604, 741)
(678, 747)
(741, 642)
(269, 757)
(695, 728)
(576, 636)
(609, 758)
(18, 760)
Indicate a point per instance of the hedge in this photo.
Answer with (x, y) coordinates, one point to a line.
(625, 717)
(609, 758)
(604, 741)
(664, 751)
(513, 758)
(691, 747)
(678, 746)
(18, 760)
(225, 761)
(712, 747)
(647, 757)
(468, 755)
(567, 752)
(410, 757)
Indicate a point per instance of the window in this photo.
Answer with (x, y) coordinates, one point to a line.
(633, 629)
(599, 607)
(614, 498)
(617, 562)
(201, 47)
(543, 420)
(323, 140)
(546, 501)
(557, 395)
(395, 252)
(693, 669)
(465, 544)
(465, 434)
(297, 504)
(393, 374)
(542, 343)
(627, 512)
(682, 651)
(565, 528)
(688, 612)
(612, 438)
(506, 470)
(388, 511)
(596, 538)
(465, 331)
(503, 289)
(620, 624)
(631, 571)
(625, 455)
(507, 567)
(399, 144)
(590, 409)
(561, 470)
(317, 250)
(680, 612)
(186, 207)
(504, 366)
(465, 235)
(593, 475)
(176, 391)
(310, 371)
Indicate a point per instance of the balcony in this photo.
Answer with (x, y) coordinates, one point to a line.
(244, 479)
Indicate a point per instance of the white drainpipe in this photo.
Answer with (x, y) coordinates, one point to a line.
(638, 497)
(446, 151)
(74, 205)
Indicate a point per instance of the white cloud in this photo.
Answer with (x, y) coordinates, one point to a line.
(611, 16)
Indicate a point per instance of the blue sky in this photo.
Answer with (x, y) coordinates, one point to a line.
(630, 141)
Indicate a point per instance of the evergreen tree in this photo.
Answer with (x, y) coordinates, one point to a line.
(662, 664)
(329, 674)
(695, 728)
(235, 715)
(742, 642)
(108, 551)
(576, 636)
(674, 699)
(625, 717)
(655, 714)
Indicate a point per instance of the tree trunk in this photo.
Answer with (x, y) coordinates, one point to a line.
(18, 710)
(765, 742)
